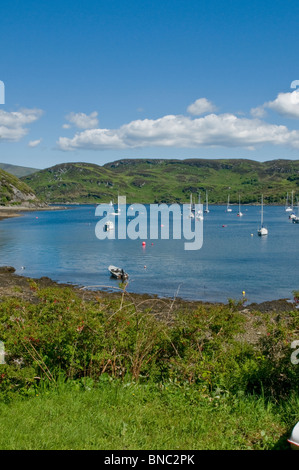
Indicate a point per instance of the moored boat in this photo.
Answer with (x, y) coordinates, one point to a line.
(207, 204)
(228, 208)
(108, 226)
(262, 230)
(239, 213)
(118, 273)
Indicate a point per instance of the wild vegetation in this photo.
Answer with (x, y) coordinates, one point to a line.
(13, 191)
(169, 181)
(135, 376)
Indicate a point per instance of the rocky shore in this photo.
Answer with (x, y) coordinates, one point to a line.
(256, 316)
(12, 284)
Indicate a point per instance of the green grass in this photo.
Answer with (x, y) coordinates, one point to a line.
(118, 416)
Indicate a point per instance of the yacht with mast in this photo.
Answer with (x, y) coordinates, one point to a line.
(228, 208)
(239, 213)
(292, 215)
(288, 208)
(207, 204)
(262, 230)
(199, 215)
(192, 209)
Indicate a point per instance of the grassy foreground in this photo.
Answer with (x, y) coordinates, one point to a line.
(92, 371)
(128, 416)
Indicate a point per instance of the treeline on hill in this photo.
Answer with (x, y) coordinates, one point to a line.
(169, 181)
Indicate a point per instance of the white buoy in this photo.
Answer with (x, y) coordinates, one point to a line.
(294, 439)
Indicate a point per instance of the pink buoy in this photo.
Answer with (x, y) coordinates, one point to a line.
(143, 243)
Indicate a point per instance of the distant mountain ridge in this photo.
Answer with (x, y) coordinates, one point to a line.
(17, 170)
(167, 180)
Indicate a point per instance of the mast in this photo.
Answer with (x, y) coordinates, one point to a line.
(292, 199)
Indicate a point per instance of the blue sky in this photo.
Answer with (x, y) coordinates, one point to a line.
(98, 81)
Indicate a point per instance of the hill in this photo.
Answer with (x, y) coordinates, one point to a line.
(17, 170)
(162, 180)
(15, 192)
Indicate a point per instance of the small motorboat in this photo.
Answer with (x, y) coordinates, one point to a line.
(109, 226)
(118, 273)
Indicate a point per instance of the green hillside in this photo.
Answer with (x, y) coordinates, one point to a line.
(161, 180)
(15, 192)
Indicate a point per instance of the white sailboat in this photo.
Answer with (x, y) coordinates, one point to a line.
(207, 204)
(120, 201)
(239, 213)
(191, 214)
(288, 208)
(199, 215)
(262, 230)
(228, 208)
(292, 215)
(295, 219)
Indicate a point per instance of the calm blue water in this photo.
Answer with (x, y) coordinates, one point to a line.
(62, 245)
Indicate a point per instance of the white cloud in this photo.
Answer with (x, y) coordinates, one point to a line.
(101, 139)
(201, 106)
(82, 120)
(12, 124)
(226, 130)
(258, 112)
(34, 143)
(286, 104)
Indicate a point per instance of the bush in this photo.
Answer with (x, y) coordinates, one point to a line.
(61, 333)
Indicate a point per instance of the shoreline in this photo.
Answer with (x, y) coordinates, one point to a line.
(16, 211)
(10, 283)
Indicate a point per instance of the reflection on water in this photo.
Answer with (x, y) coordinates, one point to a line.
(233, 259)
